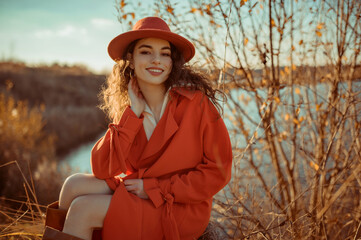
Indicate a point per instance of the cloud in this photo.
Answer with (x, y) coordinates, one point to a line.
(64, 32)
(102, 23)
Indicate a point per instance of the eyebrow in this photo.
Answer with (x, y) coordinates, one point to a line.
(148, 46)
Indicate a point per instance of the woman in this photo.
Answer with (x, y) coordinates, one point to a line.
(167, 137)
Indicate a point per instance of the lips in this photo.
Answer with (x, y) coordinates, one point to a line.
(155, 71)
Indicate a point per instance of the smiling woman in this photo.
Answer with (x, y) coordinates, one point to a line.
(166, 136)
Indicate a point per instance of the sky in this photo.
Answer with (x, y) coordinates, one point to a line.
(69, 31)
(66, 32)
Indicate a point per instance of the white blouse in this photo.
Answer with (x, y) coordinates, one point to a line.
(149, 122)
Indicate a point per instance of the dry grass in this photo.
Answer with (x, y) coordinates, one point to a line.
(29, 176)
(23, 222)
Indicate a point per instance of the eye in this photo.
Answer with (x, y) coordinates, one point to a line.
(144, 52)
(166, 54)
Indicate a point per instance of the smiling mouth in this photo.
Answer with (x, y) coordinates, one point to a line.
(155, 71)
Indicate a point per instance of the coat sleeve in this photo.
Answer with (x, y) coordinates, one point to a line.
(109, 154)
(208, 177)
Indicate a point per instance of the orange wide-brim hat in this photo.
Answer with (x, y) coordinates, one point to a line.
(146, 28)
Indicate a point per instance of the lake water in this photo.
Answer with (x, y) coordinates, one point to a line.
(79, 159)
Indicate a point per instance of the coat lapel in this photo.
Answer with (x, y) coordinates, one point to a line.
(164, 130)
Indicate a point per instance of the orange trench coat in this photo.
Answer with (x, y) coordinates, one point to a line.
(186, 161)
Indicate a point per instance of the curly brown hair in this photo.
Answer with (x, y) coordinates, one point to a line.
(114, 94)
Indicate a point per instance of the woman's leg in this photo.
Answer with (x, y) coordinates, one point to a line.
(85, 213)
(81, 184)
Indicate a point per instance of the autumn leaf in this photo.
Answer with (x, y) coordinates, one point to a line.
(320, 26)
(170, 9)
(242, 2)
(318, 107)
(193, 10)
(133, 15)
(287, 117)
(300, 42)
(245, 41)
(208, 10)
(314, 166)
(318, 33)
(294, 67)
(277, 99)
(122, 4)
(273, 23)
(297, 91)
(298, 111)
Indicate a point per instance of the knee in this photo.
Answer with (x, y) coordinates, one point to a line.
(78, 216)
(73, 184)
(85, 208)
(80, 208)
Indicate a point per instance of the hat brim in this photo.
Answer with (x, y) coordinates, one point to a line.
(118, 45)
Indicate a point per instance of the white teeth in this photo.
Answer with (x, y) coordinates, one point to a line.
(155, 70)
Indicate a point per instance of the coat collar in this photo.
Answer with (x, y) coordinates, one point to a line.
(184, 91)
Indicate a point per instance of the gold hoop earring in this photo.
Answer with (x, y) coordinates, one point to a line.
(131, 74)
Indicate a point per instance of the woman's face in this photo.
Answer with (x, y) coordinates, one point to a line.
(152, 61)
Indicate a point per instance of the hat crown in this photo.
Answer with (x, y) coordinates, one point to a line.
(149, 27)
(151, 23)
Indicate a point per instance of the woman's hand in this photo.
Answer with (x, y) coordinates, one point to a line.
(137, 101)
(135, 186)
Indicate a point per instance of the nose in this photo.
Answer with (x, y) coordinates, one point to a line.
(156, 59)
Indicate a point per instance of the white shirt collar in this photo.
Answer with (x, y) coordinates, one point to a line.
(149, 122)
